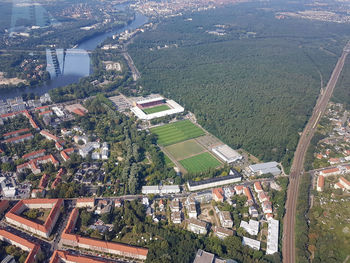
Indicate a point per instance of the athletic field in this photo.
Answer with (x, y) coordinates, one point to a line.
(156, 109)
(184, 149)
(200, 163)
(177, 132)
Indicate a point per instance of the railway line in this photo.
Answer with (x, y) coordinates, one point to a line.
(297, 169)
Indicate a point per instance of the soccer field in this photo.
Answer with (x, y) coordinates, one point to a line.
(184, 149)
(177, 132)
(156, 109)
(200, 163)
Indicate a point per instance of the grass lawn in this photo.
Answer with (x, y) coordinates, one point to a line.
(177, 132)
(156, 109)
(184, 149)
(200, 163)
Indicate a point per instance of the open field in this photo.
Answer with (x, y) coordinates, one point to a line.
(200, 163)
(177, 132)
(184, 149)
(156, 109)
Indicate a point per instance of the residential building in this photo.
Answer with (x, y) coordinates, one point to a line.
(214, 182)
(248, 194)
(262, 196)
(44, 230)
(15, 133)
(160, 189)
(175, 205)
(272, 236)
(4, 204)
(225, 219)
(85, 202)
(253, 212)
(252, 227)
(320, 183)
(345, 183)
(206, 257)
(176, 217)
(62, 256)
(218, 194)
(239, 189)
(267, 207)
(197, 226)
(20, 138)
(222, 232)
(15, 240)
(192, 211)
(35, 154)
(258, 187)
(68, 238)
(254, 244)
(203, 197)
(331, 171)
(49, 136)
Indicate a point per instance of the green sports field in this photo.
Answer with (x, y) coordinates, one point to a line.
(184, 149)
(156, 109)
(200, 163)
(177, 132)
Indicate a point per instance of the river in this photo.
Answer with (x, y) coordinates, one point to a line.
(76, 61)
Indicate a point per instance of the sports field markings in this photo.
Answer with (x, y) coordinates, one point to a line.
(156, 109)
(177, 132)
(200, 163)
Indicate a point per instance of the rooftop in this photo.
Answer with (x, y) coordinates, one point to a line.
(215, 179)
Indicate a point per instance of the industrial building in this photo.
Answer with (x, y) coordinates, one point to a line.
(214, 182)
(227, 154)
(265, 168)
(272, 236)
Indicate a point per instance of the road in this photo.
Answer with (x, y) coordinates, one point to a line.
(288, 247)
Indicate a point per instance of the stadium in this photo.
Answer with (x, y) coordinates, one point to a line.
(155, 107)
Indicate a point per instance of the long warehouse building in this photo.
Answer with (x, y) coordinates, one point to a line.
(234, 177)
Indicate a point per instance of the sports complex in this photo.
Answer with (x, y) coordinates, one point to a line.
(179, 143)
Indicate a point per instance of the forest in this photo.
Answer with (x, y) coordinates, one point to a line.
(342, 92)
(253, 87)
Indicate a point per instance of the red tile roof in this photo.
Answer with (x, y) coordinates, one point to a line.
(257, 186)
(4, 204)
(49, 135)
(219, 193)
(45, 112)
(344, 181)
(67, 234)
(12, 214)
(34, 248)
(42, 108)
(28, 155)
(64, 256)
(85, 200)
(13, 139)
(332, 170)
(79, 112)
(15, 132)
(320, 181)
(247, 193)
(33, 123)
(43, 181)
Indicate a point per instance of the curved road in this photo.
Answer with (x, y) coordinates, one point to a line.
(288, 249)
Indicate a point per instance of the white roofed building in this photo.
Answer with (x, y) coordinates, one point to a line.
(226, 153)
(272, 237)
(252, 227)
(265, 168)
(254, 244)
